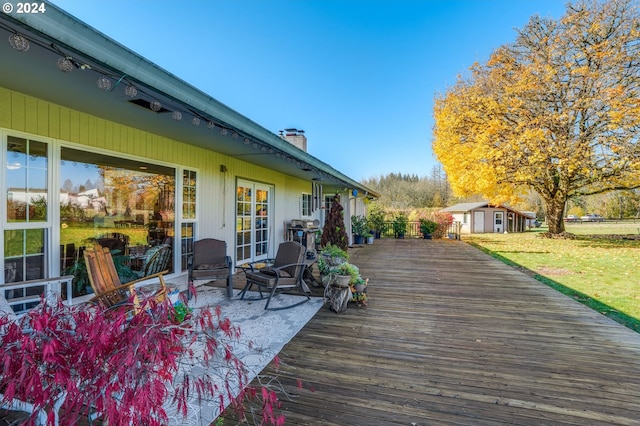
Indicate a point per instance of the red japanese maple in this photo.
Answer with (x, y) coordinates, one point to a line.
(83, 360)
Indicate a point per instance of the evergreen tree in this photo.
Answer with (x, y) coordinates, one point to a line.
(334, 231)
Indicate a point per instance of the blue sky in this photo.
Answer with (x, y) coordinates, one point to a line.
(358, 76)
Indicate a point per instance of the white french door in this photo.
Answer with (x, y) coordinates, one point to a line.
(254, 221)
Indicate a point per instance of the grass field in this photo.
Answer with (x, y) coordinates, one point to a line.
(598, 268)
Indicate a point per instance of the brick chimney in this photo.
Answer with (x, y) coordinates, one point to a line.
(295, 137)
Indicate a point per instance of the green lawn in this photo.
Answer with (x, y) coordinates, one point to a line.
(596, 269)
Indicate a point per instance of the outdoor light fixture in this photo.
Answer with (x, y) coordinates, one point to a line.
(131, 91)
(104, 83)
(19, 42)
(65, 64)
(108, 82)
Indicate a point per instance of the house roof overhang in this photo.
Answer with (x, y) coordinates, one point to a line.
(56, 34)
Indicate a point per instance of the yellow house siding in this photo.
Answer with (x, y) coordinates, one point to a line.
(18, 113)
(216, 190)
(53, 121)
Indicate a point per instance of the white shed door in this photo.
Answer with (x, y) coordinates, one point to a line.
(478, 222)
(498, 222)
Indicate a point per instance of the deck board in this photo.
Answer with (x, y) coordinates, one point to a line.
(453, 336)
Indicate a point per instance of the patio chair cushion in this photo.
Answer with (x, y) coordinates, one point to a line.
(270, 271)
(269, 281)
(211, 266)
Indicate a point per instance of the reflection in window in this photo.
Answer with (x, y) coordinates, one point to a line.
(187, 236)
(188, 194)
(26, 182)
(24, 260)
(126, 205)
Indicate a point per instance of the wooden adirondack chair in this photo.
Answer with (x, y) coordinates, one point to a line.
(108, 289)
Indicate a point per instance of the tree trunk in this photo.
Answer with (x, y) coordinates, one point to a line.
(555, 215)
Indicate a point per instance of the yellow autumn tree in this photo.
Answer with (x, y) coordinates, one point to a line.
(557, 111)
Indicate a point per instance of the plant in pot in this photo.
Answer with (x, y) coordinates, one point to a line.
(359, 228)
(400, 222)
(375, 220)
(327, 272)
(346, 274)
(369, 237)
(358, 291)
(333, 255)
(427, 227)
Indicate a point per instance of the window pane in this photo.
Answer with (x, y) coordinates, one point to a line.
(26, 183)
(187, 232)
(189, 194)
(13, 243)
(24, 255)
(35, 241)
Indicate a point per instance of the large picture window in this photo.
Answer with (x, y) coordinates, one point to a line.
(126, 205)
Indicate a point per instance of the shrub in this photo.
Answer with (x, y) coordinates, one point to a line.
(400, 222)
(359, 226)
(334, 231)
(72, 361)
(375, 219)
(427, 226)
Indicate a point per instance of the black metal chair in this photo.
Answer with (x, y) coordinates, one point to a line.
(285, 273)
(210, 261)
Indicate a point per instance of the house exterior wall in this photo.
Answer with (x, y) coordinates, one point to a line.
(216, 209)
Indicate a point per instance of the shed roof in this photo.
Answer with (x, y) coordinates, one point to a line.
(467, 207)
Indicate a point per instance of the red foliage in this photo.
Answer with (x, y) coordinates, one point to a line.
(120, 366)
(444, 221)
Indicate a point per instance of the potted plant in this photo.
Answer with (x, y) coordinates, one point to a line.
(427, 227)
(375, 220)
(333, 255)
(360, 284)
(369, 237)
(400, 222)
(346, 273)
(359, 228)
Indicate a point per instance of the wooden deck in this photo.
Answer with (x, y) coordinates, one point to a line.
(452, 336)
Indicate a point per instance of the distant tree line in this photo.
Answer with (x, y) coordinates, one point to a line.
(400, 191)
(410, 192)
